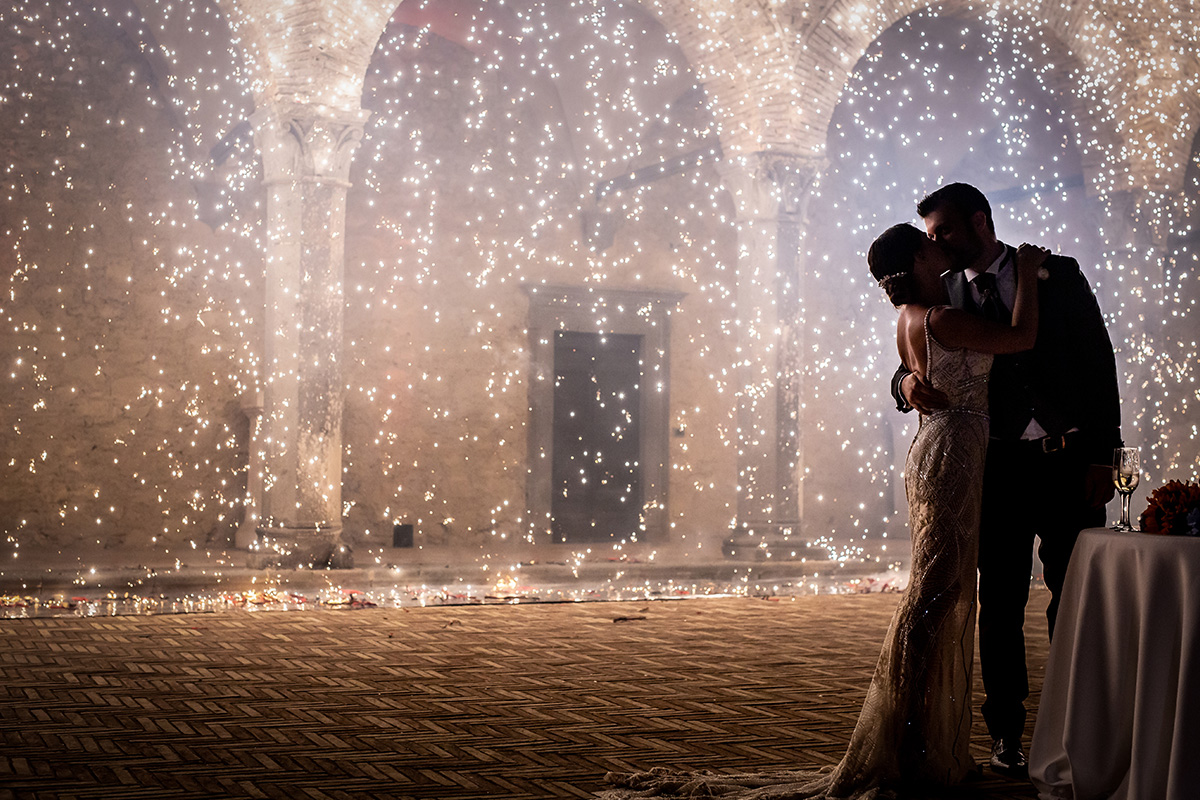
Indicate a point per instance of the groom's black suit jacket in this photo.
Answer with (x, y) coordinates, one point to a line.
(1069, 379)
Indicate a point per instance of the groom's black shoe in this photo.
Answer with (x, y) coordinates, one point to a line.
(1008, 758)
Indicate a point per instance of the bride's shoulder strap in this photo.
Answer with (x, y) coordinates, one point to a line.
(929, 332)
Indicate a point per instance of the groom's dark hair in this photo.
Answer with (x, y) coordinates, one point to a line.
(963, 197)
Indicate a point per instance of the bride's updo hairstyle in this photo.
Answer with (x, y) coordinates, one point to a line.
(891, 260)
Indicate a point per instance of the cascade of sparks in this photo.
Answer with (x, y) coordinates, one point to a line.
(508, 145)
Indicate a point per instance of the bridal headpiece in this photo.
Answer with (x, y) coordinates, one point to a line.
(890, 259)
(889, 283)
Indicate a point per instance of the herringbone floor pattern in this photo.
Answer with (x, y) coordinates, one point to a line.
(530, 701)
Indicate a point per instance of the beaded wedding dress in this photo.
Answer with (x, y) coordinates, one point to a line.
(915, 725)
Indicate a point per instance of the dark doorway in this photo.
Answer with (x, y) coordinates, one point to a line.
(597, 491)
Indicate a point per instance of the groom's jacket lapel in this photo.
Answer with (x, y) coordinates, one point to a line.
(958, 288)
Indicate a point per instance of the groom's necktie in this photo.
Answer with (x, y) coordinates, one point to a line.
(989, 298)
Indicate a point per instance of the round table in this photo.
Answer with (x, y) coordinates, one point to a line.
(1120, 710)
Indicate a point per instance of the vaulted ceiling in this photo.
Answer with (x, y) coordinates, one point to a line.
(773, 70)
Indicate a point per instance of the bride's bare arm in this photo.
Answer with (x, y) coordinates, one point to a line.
(957, 328)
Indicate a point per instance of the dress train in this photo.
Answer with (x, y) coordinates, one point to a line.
(915, 725)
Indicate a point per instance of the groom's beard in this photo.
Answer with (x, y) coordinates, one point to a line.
(959, 261)
(969, 254)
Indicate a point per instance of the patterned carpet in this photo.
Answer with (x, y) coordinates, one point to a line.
(523, 701)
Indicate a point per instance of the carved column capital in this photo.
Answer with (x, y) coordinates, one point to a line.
(770, 185)
(308, 143)
(1142, 218)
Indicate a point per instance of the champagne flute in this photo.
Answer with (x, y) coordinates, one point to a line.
(1126, 473)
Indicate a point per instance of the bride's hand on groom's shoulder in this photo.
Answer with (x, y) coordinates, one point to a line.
(1030, 257)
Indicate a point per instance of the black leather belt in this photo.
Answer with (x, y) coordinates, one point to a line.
(1050, 444)
(1053, 444)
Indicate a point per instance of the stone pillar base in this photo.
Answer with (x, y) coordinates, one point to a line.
(246, 537)
(776, 541)
(301, 548)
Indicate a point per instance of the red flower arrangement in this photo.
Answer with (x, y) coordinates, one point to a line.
(1173, 508)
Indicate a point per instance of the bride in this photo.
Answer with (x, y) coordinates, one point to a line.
(915, 725)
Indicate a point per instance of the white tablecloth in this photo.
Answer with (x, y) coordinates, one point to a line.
(1120, 710)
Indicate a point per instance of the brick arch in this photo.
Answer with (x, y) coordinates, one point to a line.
(1159, 113)
(775, 73)
(1188, 138)
(309, 52)
(766, 89)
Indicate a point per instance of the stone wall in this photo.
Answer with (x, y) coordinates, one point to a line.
(130, 326)
(125, 322)
(131, 330)
(469, 186)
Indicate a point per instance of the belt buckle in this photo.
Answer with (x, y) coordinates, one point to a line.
(1052, 444)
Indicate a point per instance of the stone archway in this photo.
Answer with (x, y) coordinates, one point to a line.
(452, 149)
(774, 71)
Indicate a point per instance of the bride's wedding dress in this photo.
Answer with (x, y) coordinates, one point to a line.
(915, 725)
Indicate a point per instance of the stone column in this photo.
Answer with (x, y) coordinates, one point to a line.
(246, 537)
(771, 191)
(1138, 227)
(1137, 231)
(306, 154)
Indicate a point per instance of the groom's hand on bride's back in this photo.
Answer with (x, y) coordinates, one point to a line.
(922, 396)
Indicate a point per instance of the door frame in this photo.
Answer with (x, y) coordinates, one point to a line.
(591, 309)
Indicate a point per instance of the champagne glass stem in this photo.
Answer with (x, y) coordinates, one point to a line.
(1124, 524)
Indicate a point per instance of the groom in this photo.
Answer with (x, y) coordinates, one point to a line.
(1055, 419)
